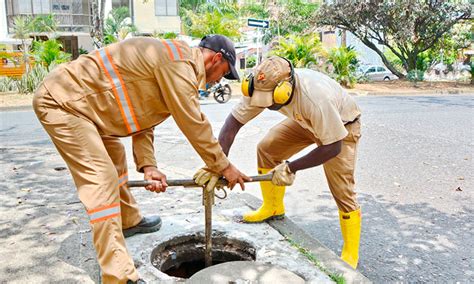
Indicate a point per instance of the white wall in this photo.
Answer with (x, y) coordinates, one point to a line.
(3, 20)
(364, 54)
(147, 22)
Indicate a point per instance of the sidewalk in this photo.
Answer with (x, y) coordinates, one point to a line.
(406, 88)
(45, 235)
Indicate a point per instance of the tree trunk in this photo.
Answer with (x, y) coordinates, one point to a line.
(387, 63)
(344, 38)
(26, 57)
(411, 62)
(97, 31)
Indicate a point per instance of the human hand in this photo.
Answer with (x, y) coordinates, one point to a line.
(234, 176)
(158, 179)
(282, 175)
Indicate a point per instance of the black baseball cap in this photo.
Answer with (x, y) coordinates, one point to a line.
(224, 45)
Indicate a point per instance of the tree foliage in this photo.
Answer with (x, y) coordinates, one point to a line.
(293, 16)
(406, 27)
(447, 48)
(213, 23)
(118, 25)
(302, 51)
(24, 27)
(344, 62)
(49, 53)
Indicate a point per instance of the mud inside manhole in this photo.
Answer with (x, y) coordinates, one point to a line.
(183, 256)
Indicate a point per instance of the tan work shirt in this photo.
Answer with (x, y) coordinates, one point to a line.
(127, 88)
(319, 105)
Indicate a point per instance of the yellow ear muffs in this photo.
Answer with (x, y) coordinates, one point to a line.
(247, 85)
(282, 92)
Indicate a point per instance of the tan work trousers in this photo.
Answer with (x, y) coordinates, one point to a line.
(288, 138)
(99, 169)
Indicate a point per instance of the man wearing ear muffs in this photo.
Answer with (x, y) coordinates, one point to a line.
(318, 112)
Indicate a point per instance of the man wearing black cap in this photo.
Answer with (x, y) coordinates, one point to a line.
(126, 89)
(224, 49)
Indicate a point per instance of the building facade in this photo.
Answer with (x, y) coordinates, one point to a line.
(73, 18)
(152, 16)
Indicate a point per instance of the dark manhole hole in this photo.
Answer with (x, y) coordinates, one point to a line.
(184, 255)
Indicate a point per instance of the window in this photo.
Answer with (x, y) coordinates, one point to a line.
(120, 3)
(40, 6)
(380, 69)
(371, 70)
(166, 7)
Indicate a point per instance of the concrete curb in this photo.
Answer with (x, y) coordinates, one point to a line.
(326, 257)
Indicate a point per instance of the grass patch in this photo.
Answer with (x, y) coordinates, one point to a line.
(338, 278)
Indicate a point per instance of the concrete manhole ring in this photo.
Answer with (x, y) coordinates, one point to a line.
(247, 272)
(183, 255)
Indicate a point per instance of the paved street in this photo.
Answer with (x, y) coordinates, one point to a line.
(414, 173)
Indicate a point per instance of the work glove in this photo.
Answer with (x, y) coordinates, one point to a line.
(203, 177)
(282, 175)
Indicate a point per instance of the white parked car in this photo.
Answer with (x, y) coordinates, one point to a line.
(376, 73)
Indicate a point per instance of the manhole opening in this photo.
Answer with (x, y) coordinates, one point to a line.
(184, 255)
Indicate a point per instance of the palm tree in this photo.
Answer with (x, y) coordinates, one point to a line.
(49, 53)
(44, 24)
(213, 22)
(344, 61)
(302, 51)
(117, 25)
(22, 30)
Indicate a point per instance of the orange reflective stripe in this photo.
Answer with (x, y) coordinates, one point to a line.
(104, 213)
(170, 53)
(123, 179)
(125, 91)
(104, 218)
(114, 90)
(103, 208)
(119, 89)
(178, 49)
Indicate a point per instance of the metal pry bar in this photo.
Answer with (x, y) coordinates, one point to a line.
(191, 183)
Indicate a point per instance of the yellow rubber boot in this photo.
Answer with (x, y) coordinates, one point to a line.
(272, 206)
(350, 229)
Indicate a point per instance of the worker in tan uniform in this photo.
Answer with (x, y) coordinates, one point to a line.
(126, 89)
(319, 112)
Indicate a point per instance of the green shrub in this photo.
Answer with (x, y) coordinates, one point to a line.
(83, 51)
(7, 84)
(169, 35)
(303, 51)
(251, 61)
(416, 76)
(344, 61)
(28, 83)
(49, 52)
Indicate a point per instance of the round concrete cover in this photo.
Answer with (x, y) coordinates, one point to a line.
(240, 272)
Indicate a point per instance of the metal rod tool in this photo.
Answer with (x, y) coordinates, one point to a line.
(191, 183)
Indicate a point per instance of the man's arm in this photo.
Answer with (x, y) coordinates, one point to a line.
(228, 132)
(179, 91)
(318, 156)
(144, 157)
(143, 149)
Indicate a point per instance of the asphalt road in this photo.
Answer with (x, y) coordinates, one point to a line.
(414, 180)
